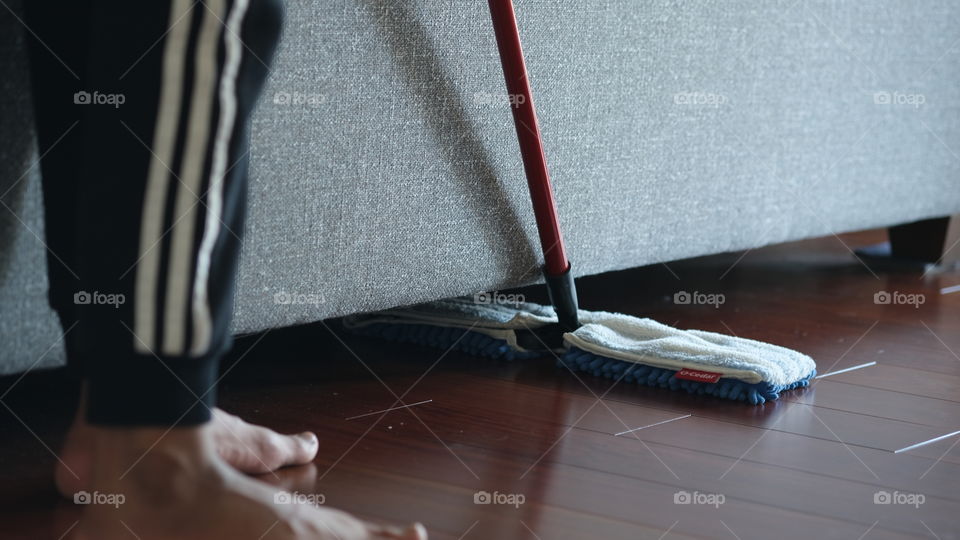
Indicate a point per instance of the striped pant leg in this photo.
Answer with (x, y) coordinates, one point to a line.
(168, 90)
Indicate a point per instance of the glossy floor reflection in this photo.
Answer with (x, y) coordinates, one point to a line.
(485, 450)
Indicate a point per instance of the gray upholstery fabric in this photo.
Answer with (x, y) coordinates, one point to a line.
(385, 169)
(29, 331)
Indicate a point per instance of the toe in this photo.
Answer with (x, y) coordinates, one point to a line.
(273, 451)
(415, 531)
(285, 450)
(255, 449)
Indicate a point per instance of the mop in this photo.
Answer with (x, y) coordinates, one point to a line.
(621, 347)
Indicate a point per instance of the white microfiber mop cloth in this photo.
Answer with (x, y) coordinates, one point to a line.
(607, 344)
(644, 340)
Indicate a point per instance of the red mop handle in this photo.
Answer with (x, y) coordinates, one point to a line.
(528, 133)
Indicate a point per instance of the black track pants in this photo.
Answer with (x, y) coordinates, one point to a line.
(142, 114)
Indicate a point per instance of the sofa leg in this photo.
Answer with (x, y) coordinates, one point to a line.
(919, 245)
(921, 241)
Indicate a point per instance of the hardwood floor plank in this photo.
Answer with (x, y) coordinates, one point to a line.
(905, 380)
(913, 408)
(823, 423)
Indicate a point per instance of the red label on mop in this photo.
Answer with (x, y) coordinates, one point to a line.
(697, 375)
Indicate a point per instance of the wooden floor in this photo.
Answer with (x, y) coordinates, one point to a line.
(810, 465)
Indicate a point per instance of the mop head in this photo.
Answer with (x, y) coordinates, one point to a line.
(620, 347)
(490, 330)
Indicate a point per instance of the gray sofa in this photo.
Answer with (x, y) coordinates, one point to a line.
(385, 170)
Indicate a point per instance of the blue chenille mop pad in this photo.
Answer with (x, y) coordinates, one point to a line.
(491, 329)
(621, 347)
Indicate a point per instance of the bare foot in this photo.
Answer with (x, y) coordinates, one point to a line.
(249, 448)
(181, 488)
